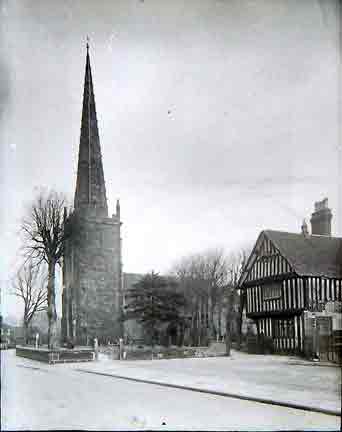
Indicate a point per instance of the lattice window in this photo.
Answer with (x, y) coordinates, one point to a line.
(272, 291)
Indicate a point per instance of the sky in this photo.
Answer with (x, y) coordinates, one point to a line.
(217, 118)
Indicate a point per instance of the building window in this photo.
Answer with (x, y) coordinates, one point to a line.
(283, 328)
(272, 291)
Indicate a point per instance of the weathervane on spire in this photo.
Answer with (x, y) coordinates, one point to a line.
(87, 43)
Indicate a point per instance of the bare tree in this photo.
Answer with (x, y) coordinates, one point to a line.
(210, 281)
(30, 286)
(45, 233)
(188, 271)
(216, 273)
(203, 277)
(235, 265)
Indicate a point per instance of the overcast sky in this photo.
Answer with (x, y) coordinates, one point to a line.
(217, 118)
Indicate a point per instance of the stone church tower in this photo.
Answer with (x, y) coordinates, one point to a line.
(92, 279)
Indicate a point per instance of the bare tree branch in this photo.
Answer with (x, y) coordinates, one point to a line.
(45, 231)
(29, 287)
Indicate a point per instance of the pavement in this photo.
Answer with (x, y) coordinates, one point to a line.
(279, 380)
(39, 396)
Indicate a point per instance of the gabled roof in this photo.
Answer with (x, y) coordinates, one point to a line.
(309, 255)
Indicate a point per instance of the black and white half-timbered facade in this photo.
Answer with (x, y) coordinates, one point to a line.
(287, 278)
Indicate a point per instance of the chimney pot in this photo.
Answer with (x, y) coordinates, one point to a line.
(321, 219)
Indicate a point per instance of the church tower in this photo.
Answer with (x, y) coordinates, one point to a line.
(92, 279)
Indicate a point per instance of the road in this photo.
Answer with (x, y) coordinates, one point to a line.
(38, 396)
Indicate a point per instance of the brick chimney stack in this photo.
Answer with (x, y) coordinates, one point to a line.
(321, 219)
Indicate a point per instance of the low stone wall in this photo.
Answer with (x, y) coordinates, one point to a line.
(110, 351)
(134, 352)
(61, 355)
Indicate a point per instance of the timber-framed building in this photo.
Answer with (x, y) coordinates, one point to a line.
(292, 283)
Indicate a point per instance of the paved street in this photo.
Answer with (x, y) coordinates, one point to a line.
(273, 377)
(39, 396)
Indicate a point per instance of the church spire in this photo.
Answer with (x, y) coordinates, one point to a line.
(90, 194)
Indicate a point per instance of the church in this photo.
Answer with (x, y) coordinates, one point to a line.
(92, 267)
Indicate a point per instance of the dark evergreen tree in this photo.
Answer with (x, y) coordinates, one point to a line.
(154, 300)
